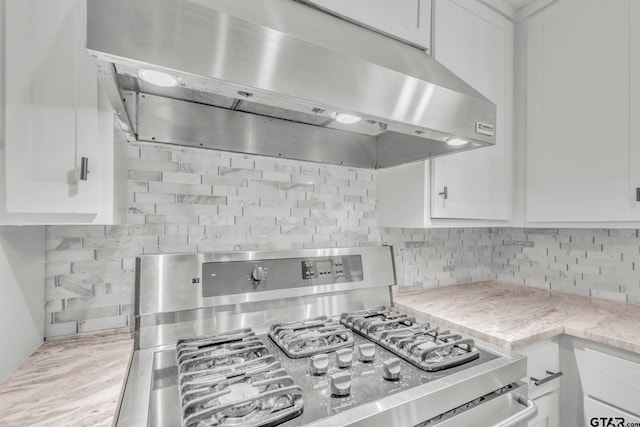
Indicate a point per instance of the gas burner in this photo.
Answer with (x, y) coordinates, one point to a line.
(310, 337)
(231, 379)
(229, 349)
(424, 346)
(374, 321)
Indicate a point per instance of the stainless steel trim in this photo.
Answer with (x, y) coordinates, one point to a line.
(166, 328)
(107, 77)
(422, 403)
(529, 412)
(399, 148)
(178, 122)
(169, 301)
(409, 407)
(166, 284)
(134, 405)
(288, 55)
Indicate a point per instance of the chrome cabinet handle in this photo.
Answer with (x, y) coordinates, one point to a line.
(530, 411)
(84, 168)
(550, 377)
(444, 193)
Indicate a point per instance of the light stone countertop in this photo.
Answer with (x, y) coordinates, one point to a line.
(513, 316)
(68, 382)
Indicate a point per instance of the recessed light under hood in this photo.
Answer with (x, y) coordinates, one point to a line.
(270, 77)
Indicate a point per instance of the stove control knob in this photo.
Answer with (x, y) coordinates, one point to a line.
(367, 352)
(344, 358)
(258, 274)
(319, 364)
(391, 368)
(341, 384)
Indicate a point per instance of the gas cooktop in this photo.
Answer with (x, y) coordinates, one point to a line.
(249, 379)
(301, 338)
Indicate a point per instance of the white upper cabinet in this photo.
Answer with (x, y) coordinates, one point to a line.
(54, 116)
(403, 196)
(634, 104)
(476, 44)
(409, 20)
(583, 136)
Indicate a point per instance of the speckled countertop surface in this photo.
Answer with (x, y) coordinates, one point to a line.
(68, 382)
(513, 316)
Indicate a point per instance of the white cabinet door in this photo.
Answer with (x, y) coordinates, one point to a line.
(612, 379)
(403, 196)
(51, 118)
(578, 164)
(543, 361)
(634, 70)
(477, 44)
(406, 19)
(606, 415)
(548, 411)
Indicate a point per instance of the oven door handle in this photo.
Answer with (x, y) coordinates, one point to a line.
(530, 411)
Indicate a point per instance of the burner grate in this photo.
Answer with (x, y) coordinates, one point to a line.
(310, 337)
(231, 379)
(424, 346)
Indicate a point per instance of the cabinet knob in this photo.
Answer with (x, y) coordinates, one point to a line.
(444, 193)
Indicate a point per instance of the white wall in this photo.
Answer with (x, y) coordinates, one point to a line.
(21, 294)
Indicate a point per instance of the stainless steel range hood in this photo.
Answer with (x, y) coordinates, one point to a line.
(269, 76)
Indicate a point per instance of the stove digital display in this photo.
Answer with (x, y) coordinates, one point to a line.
(333, 269)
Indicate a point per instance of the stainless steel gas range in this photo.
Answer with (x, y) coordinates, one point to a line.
(304, 337)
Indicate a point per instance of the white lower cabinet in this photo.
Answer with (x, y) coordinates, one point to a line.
(597, 413)
(548, 411)
(543, 367)
(601, 386)
(612, 381)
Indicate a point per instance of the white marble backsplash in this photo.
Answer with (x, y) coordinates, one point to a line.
(190, 200)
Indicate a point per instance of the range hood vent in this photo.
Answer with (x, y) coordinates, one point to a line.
(269, 77)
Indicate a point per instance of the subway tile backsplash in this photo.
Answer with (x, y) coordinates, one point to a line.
(190, 200)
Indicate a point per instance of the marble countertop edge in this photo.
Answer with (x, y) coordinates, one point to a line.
(506, 343)
(514, 316)
(75, 381)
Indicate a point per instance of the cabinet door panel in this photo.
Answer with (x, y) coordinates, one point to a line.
(612, 379)
(477, 45)
(548, 411)
(578, 166)
(596, 409)
(634, 114)
(407, 19)
(51, 118)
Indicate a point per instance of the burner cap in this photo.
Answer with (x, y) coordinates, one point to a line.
(239, 392)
